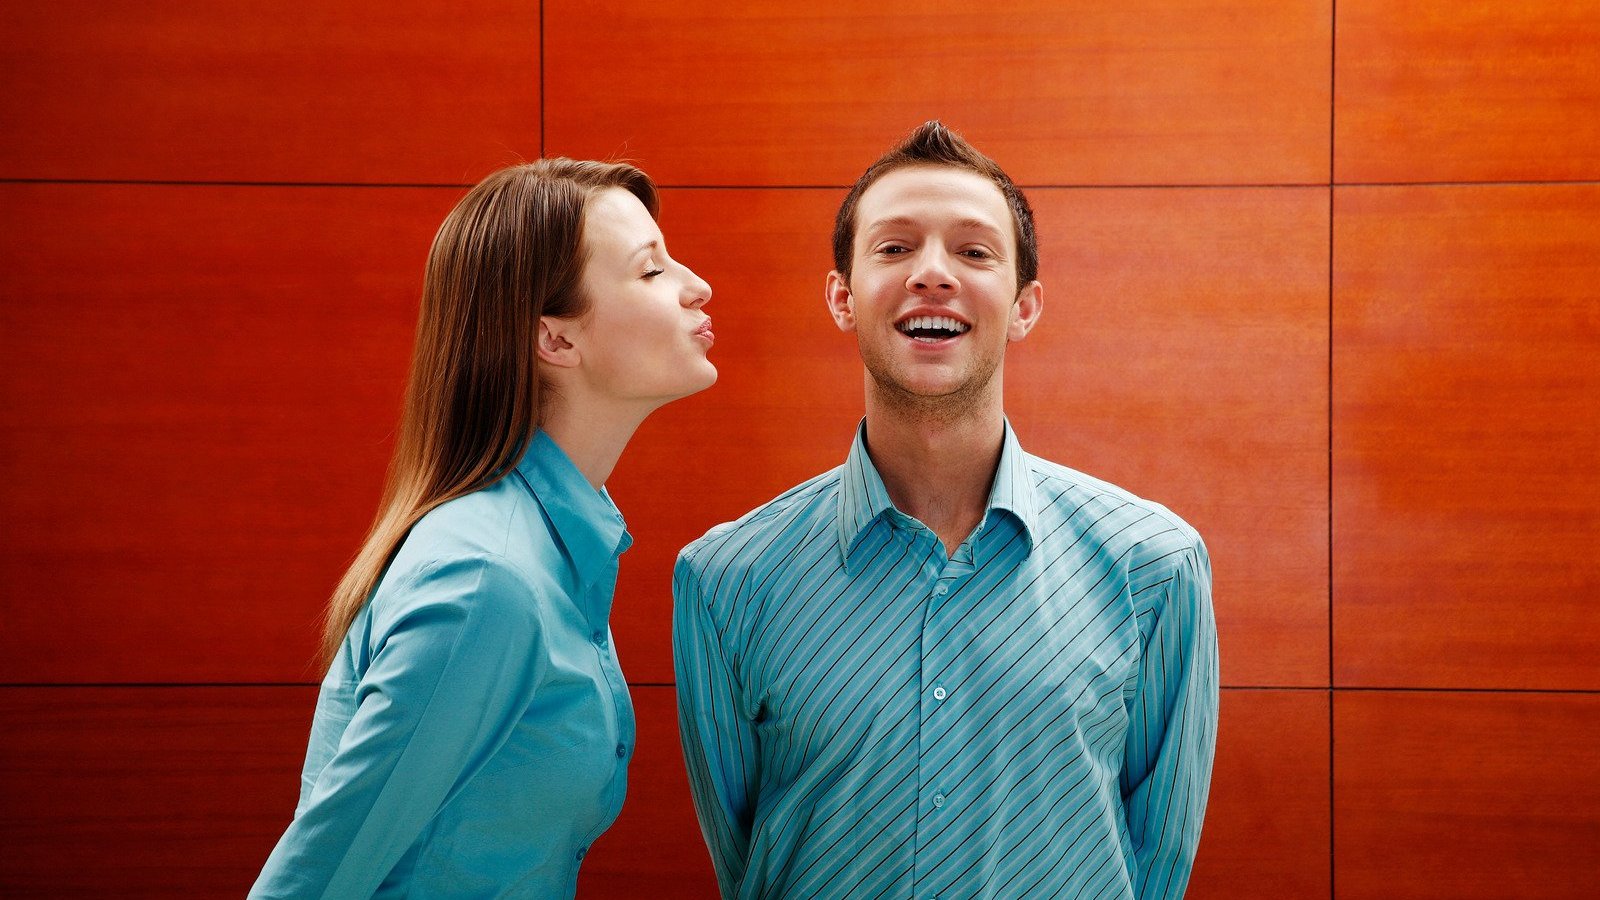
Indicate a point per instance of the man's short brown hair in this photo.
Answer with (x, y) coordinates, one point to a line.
(932, 144)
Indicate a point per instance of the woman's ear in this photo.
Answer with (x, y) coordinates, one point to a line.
(554, 341)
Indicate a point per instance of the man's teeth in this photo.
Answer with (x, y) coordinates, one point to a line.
(941, 326)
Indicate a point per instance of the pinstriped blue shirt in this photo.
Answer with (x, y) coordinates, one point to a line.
(865, 716)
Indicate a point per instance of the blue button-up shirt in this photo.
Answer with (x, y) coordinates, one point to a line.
(866, 716)
(472, 736)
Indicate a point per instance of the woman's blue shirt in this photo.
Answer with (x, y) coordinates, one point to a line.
(471, 738)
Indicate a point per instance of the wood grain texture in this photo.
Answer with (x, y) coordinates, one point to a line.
(654, 849)
(1466, 429)
(150, 792)
(1465, 796)
(250, 90)
(1221, 413)
(201, 387)
(1267, 823)
(1182, 355)
(146, 792)
(784, 408)
(1432, 90)
(703, 93)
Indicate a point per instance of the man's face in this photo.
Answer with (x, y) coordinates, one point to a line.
(932, 297)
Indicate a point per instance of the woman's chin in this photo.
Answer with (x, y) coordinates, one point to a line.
(704, 375)
(707, 376)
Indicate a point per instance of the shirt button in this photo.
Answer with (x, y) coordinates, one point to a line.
(941, 590)
(622, 750)
(582, 851)
(599, 638)
(939, 693)
(938, 800)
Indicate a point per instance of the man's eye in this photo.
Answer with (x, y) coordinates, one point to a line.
(976, 254)
(892, 249)
(653, 273)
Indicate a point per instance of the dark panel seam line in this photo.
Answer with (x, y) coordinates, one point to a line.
(541, 80)
(809, 187)
(1288, 688)
(1333, 125)
(263, 184)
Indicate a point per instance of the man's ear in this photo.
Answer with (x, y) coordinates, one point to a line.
(554, 342)
(1025, 312)
(840, 304)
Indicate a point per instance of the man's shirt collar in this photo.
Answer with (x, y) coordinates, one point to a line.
(586, 521)
(863, 497)
(1013, 489)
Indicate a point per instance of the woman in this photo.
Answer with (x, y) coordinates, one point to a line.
(472, 734)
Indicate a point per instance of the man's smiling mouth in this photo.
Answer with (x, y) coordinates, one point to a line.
(932, 329)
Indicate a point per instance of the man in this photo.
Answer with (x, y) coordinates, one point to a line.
(946, 668)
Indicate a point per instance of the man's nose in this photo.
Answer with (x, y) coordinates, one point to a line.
(933, 273)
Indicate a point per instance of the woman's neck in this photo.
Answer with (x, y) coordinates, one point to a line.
(592, 435)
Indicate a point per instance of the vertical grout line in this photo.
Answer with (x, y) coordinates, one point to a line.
(541, 79)
(1333, 107)
(1333, 869)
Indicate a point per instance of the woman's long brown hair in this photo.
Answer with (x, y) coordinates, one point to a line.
(511, 251)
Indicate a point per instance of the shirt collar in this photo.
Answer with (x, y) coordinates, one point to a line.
(863, 498)
(1013, 489)
(589, 525)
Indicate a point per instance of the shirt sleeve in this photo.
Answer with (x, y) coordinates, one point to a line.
(719, 740)
(1172, 730)
(452, 672)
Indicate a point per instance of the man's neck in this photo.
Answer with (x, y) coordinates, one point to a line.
(938, 469)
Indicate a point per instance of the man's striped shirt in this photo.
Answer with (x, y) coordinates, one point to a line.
(1033, 715)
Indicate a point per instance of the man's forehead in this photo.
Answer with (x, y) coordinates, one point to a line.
(964, 223)
(916, 195)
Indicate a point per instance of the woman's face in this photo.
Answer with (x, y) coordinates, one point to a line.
(644, 337)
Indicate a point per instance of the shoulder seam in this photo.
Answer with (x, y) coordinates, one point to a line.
(1055, 472)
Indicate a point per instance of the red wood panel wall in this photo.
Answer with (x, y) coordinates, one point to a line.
(1291, 292)
(1467, 502)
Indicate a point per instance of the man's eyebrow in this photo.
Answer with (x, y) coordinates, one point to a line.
(960, 224)
(647, 245)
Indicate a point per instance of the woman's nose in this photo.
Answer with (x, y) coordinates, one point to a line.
(696, 292)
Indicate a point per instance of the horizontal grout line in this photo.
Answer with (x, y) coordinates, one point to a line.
(1318, 688)
(273, 184)
(159, 684)
(1026, 187)
(1354, 689)
(1575, 181)
(667, 684)
(809, 187)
